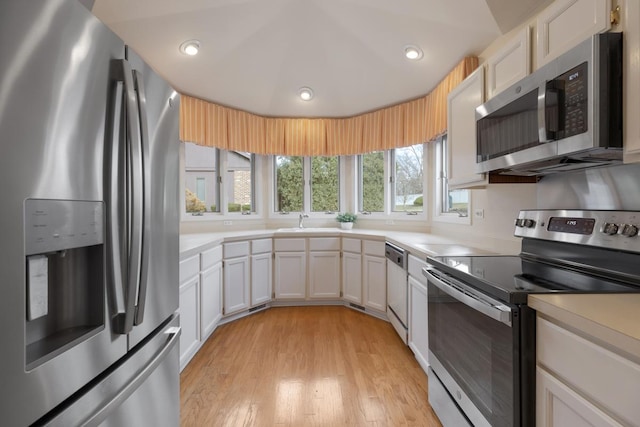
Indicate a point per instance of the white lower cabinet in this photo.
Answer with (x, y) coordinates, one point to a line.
(324, 274)
(210, 299)
(236, 284)
(189, 319)
(418, 322)
(290, 275)
(559, 406)
(582, 383)
(374, 278)
(324, 267)
(352, 277)
(261, 273)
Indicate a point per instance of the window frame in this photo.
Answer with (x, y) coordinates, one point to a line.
(441, 188)
(222, 196)
(388, 212)
(306, 188)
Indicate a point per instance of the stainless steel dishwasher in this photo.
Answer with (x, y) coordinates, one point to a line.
(397, 286)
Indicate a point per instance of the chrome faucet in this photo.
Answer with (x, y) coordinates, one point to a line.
(301, 219)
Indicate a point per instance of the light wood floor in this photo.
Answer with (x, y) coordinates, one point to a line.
(305, 366)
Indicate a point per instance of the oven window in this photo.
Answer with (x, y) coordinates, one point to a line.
(478, 352)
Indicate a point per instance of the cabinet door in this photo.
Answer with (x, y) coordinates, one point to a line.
(557, 405)
(261, 278)
(418, 322)
(290, 275)
(631, 80)
(375, 282)
(352, 277)
(210, 299)
(236, 284)
(324, 274)
(565, 23)
(189, 320)
(461, 123)
(510, 64)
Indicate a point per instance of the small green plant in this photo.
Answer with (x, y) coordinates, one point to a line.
(346, 217)
(418, 201)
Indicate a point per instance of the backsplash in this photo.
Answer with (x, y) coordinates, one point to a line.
(613, 187)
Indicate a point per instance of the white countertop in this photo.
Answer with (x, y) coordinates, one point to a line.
(612, 319)
(418, 244)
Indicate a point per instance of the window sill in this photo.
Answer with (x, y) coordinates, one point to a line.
(452, 219)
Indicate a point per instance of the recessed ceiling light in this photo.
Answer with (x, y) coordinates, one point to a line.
(190, 47)
(412, 52)
(306, 94)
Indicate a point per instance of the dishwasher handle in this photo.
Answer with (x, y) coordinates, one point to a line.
(471, 298)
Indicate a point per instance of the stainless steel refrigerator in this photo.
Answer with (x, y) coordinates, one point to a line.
(88, 225)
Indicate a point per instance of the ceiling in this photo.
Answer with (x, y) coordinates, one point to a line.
(256, 54)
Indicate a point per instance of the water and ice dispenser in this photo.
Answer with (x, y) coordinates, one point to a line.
(65, 288)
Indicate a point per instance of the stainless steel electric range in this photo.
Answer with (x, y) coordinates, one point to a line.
(481, 331)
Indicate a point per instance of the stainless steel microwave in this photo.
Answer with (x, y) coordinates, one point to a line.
(567, 115)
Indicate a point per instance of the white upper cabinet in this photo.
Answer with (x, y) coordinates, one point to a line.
(630, 20)
(565, 23)
(461, 123)
(510, 64)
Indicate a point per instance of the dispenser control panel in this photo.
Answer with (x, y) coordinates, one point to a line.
(55, 225)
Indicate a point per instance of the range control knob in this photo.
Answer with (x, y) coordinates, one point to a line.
(609, 228)
(524, 222)
(629, 230)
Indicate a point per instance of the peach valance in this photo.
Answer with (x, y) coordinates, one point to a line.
(401, 125)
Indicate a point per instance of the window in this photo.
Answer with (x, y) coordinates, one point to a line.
(402, 168)
(371, 182)
(408, 180)
(289, 183)
(448, 201)
(239, 179)
(325, 184)
(206, 186)
(307, 184)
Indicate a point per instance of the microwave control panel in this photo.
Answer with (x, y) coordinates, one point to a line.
(567, 103)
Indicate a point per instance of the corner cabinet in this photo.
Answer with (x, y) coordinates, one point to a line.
(261, 271)
(461, 133)
(374, 275)
(236, 277)
(352, 270)
(510, 64)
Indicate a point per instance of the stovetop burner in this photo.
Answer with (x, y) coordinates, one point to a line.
(562, 251)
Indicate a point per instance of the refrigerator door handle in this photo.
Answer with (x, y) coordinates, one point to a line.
(146, 210)
(133, 205)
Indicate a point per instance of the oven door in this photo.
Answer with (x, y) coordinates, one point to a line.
(474, 352)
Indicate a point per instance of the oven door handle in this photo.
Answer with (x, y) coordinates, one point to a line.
(470, 298)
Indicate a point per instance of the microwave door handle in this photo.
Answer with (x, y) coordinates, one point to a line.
(146, 198)
(498, 312)
(549, 111)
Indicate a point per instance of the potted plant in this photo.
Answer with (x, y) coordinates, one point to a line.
(346, 220)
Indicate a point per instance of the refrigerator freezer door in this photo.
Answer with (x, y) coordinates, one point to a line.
(55, 91)
(143, 390)
(158, 292)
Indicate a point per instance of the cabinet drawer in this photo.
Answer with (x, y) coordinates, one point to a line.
(371, 247)
(351, 245)
(189, 268)
(324, 244)
(261, 246)
(236, 249)
(210, 257)
(609, 380)
(415, 268)
(289, 245)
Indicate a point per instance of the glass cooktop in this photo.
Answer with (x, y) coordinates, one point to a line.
(512, 278)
